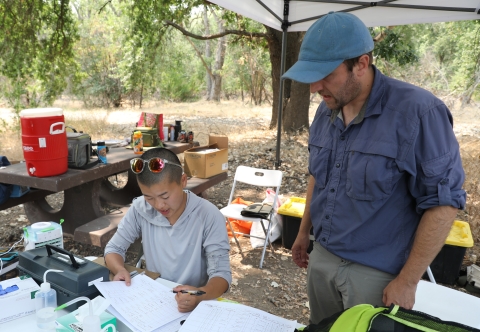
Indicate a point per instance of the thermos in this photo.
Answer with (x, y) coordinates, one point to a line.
(102, 152)
(178, 127)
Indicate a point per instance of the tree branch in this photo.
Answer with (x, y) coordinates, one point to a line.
(218, 35)
(104, 5)
(201, 57)
(381, 36)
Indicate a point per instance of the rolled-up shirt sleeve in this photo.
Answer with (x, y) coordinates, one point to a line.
(439, 174)
(218, 265)
(217, 248)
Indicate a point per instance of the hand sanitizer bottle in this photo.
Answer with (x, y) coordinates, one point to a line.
(45, 304)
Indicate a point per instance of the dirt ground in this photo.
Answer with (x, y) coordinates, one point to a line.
(280, 287)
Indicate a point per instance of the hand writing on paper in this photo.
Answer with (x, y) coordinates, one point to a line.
(123, 275)
(186, 302)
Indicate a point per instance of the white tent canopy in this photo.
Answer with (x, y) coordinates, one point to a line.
(302, 13)
(298, 15)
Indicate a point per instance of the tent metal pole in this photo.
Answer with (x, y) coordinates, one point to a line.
(285, 25)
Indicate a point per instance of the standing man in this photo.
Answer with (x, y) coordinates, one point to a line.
(385, 174)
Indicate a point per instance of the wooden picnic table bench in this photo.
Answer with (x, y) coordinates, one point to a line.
(99, 231)
(86, 192)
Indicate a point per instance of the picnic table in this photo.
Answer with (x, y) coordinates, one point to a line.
(86, 192)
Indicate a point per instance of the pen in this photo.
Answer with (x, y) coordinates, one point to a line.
(191, 292)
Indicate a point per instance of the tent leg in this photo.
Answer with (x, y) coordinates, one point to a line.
(278, 162)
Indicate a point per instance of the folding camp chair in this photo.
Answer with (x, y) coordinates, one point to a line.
(256, 177)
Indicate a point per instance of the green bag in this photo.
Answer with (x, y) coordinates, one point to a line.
(365, 317)
(149, 134)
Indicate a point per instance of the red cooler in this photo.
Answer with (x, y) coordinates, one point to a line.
(44, 141)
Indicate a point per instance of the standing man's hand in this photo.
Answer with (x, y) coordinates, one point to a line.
(299, 250)
(400, 292)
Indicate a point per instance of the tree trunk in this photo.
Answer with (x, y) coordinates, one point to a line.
(208, 52)
(219, 60)
(296, 98)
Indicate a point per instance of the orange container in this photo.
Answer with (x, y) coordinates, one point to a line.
(137, 142)
(44, 141)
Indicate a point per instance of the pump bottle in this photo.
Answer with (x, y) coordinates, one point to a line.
(45, 304)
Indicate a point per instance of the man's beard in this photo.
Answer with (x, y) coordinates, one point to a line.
(348, 92)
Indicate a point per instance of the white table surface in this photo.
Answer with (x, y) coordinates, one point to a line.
(28, 323)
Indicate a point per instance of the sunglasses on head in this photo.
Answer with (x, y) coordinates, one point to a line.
(155, 165)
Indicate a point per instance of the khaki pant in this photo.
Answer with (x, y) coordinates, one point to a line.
(335, 284)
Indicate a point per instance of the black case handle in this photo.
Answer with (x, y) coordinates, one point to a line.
(63, 251)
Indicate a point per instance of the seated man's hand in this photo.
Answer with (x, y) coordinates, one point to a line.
(186, 302)
(123, 275)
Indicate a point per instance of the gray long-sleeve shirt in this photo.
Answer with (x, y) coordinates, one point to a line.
(190, 252)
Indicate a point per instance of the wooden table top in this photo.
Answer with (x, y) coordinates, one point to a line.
(118, 162)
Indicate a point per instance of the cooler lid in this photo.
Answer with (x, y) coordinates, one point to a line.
(293, 207)
(40, 112)
(460, 235)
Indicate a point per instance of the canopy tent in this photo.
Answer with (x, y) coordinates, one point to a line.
(298, 15)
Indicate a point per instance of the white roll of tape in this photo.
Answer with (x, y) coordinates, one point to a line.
(41, 225)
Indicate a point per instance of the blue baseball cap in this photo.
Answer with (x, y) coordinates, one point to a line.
(328, 42)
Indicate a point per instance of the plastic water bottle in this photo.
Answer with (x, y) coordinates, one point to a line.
(45, 304)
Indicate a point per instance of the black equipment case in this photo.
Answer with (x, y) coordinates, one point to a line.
(77, 277)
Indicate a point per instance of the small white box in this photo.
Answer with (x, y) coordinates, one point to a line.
(18, 303)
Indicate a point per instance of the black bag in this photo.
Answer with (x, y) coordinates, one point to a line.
(257, 210)
(365, 317)
(79, 149)
(5, 189)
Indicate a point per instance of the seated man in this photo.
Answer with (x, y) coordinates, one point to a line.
(183, 236)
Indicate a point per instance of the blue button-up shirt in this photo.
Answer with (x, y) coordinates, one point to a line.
(376, 177)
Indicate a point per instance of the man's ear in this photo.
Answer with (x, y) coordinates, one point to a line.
(362, 65)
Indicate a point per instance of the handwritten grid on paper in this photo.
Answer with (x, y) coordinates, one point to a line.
(145, 304)
(215, 316)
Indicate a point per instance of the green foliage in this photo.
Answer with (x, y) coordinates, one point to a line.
(397, 45)
(36, 50)
(180, 73)
(98, 81)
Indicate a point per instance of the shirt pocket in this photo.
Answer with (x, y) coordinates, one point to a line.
(371, 170)
(320, 154)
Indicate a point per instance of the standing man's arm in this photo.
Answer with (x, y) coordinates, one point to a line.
(300, 246)
(430, 237)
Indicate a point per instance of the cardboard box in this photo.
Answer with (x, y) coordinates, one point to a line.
(20, 302)
(207, 161)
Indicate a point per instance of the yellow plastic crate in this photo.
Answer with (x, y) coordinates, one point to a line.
(293, 207)
(460, 235)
